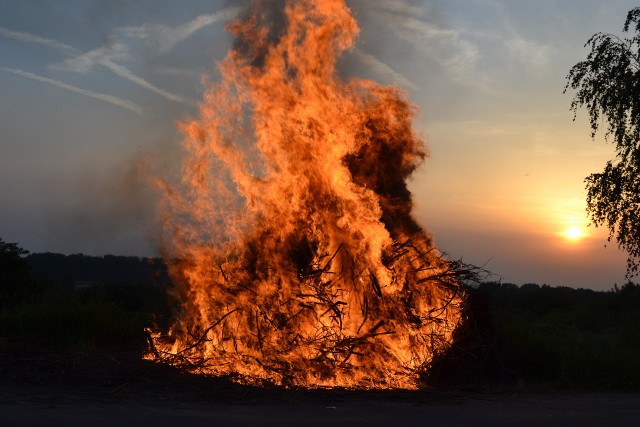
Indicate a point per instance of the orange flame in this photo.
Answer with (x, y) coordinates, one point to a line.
(292, 244)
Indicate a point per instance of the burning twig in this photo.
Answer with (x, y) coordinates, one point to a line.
(203, 337)
(375, 285)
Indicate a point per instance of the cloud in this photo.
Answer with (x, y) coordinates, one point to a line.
(101, 96)
(401, 7)
(83, 62)
(447, 47)
(162, 38)
(528, 52)
(383, 69)
(35, 39)
(156, 39)
(107, 57)
(520, 49)
(120, 47)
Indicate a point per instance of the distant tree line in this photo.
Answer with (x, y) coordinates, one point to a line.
(79, 301)
(85, 269)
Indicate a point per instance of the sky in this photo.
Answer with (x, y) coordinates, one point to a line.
(90, 91)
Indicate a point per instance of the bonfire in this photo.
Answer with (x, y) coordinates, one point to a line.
(290, 240)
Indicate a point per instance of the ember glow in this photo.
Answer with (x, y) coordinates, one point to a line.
(291, 240)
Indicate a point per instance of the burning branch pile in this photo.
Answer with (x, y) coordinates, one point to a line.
(292, 244)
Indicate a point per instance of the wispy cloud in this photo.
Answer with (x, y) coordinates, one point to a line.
(447, 47)
(528, 52)
(35, 39)
(83, 62)
(101, 96)
(383, 69)
(522, 50)
(157, 39)
(107, 57)
(400, 6)
(162, 38)
(121, 48)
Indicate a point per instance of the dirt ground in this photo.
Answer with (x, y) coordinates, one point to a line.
(96, 389)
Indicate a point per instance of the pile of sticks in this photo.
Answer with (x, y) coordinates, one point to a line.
(309, 335)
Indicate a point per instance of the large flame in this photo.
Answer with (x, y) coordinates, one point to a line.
(292, 244)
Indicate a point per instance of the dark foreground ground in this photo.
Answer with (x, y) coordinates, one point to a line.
(96, 389)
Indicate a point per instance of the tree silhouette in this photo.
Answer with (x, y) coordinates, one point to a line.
(608, 86)
(16, 283)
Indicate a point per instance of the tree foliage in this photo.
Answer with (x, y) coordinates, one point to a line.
(16, 283)
(608, 86)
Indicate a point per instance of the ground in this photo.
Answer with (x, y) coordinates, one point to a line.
(98, 388)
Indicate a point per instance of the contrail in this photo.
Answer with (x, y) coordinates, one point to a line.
(127, 74)
(104, 60)
(384, 69)
(102, 96)
(163, 38)
(35, 39)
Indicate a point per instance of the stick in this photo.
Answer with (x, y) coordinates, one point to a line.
(202, 338)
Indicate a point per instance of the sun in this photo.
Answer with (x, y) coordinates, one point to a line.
(573, 233)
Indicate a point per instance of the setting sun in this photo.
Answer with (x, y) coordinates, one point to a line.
(573, 233)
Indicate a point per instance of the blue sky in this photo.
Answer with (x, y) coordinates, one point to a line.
(91, 91)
